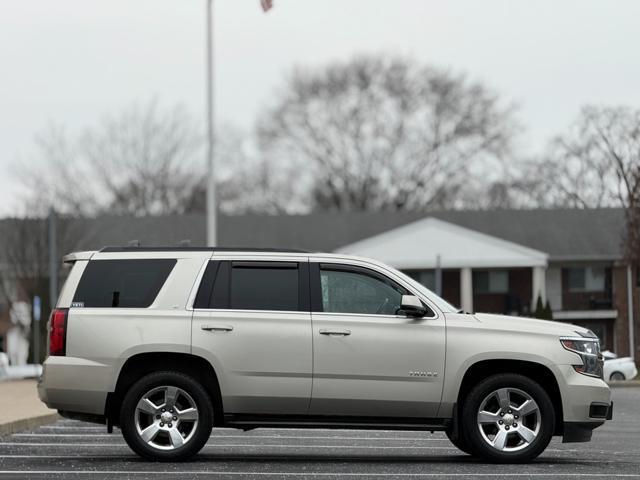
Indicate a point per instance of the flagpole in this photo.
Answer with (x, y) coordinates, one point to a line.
(211, 208)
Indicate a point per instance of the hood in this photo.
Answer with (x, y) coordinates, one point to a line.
(529, 325)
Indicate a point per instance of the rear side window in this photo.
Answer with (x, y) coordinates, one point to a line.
(280, 286)
(122, 283)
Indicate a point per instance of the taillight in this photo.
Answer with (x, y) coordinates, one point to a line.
(58, 332)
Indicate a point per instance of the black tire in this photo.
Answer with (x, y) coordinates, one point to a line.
(471, 431)
(201, 429)
(617, 376)
(459, 442)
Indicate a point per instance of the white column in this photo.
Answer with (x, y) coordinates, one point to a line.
(466, 290)
(538, 286)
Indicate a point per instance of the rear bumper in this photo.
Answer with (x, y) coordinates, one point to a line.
(75, 385)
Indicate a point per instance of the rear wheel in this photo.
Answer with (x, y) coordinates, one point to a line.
(617, 376)
(508, 418)
(166, 416)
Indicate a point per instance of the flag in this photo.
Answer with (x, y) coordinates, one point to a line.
(266, 5)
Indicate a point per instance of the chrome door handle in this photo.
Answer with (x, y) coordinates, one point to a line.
(216, 328)
(339, 332)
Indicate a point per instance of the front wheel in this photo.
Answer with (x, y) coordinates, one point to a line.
(617, 376)
(166, 416)
(508, 418)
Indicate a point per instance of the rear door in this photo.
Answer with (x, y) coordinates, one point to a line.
(369, 358)
(251, 319)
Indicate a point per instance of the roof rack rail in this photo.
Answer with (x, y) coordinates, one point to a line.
(131, 248)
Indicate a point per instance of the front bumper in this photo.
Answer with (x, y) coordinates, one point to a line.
(582, 431)
(579, 392)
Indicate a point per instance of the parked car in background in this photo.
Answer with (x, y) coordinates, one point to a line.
(618, 368)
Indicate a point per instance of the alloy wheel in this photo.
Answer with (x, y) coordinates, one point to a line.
(166, 417)
(509, 419)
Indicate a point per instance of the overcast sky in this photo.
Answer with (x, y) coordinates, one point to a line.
(73, 61)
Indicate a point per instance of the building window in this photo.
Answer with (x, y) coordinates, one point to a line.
(425, 277)
(491, 281)
(586, 279)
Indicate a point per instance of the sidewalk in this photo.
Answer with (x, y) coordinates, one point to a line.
(20, 407)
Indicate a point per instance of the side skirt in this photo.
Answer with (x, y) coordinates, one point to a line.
(249, 422)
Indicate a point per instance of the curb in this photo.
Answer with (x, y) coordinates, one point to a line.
(27, 423)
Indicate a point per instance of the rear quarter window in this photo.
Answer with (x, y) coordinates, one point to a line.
(122, 283)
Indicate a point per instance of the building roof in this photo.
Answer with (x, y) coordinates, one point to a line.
(563, 234)
(429, 242)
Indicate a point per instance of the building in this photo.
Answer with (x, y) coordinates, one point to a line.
(491, 261)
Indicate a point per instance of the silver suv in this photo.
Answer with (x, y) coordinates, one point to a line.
(167, 343)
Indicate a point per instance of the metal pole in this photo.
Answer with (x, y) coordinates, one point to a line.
(211, 209)
(632, 349)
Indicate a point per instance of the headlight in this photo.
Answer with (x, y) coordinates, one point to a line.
(588, 348)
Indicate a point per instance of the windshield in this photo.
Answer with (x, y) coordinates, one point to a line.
(440, 302)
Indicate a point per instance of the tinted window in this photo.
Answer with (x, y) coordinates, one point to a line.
(122, 283)
(264, 286)
(203, 297)
(345, 291)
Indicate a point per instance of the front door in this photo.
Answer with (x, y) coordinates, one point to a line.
(251, 320)
(369, 358)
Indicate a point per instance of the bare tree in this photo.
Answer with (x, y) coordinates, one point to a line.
(597, 163)
(141, 162)
(149, 161)
(385, 133)
(246, 180)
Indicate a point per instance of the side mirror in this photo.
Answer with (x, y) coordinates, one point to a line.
(412, 306)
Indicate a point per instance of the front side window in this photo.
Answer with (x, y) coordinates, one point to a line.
(122, 283)
(345, 291)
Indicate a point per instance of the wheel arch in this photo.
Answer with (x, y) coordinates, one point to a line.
(142, 364)
(535, 371)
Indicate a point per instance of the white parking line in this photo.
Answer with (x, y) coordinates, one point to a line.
(319, 474)
(70, 427)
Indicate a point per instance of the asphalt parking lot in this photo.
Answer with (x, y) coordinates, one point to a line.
(69, 449)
